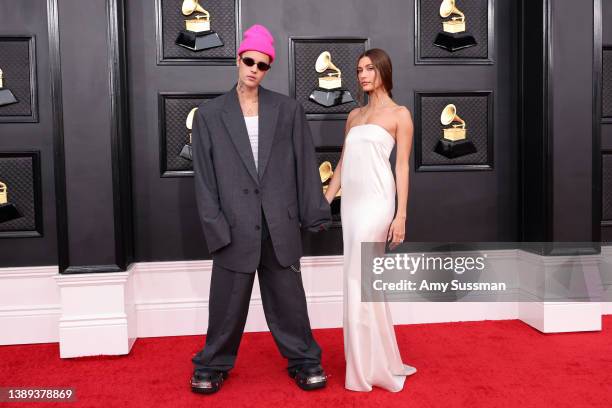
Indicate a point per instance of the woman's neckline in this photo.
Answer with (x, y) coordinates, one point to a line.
(376, 125)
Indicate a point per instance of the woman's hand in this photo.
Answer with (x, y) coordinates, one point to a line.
(397, 232)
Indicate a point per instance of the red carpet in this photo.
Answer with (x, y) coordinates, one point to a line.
(474, 364)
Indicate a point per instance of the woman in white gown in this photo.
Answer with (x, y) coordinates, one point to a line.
(369, 215)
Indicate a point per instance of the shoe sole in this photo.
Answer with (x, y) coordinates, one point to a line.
(202, 390)
(308, 387)
(198, 390)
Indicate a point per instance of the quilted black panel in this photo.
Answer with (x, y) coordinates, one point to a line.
(223, 21)
(344, 56)
(606, 205)
(472, 109)
(15, 64)
(606, 95)
(17, 174)
(174, 133)
(330, 154)
(477, 23)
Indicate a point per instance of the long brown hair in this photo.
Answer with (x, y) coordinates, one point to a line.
(382, 64)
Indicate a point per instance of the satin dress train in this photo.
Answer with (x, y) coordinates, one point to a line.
(367, 210)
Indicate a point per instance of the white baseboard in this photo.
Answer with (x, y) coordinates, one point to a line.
(560, 277)
(30, 306)
(445, 312)
(94, 335)
(562, 317)
(97, 317)
(171, 299)
(606, 269)
(160, 315)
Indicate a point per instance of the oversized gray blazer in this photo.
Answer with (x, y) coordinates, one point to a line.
(231, 193)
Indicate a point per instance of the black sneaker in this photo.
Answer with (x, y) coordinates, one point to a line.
(207, 382)
(309, 376)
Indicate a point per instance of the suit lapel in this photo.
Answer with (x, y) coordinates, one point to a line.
(234, 122)
(268, 115)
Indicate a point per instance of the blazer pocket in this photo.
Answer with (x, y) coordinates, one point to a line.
(292, 210)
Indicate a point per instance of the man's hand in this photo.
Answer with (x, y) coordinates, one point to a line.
(318, 228)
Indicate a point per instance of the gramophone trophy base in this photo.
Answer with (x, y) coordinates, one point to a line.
(451, 150)
(8, 212)
(329, 98)
(7, 97)
(200, 41)
(186, 152)
(455, 41)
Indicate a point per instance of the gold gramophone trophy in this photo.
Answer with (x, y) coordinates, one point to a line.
(453, 36)
(197, 35)
(326, 172)
(454, 142)
(186, 151)
(329, 92)
(6, 96)
(8, 211)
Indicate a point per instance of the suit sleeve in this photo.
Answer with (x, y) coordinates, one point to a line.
(215, 226)
(315, 212)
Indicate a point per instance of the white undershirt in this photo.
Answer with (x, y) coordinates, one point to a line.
(252, 125)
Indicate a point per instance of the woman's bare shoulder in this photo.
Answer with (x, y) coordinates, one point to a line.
(353, 114)
(403, 114)
(402, 110)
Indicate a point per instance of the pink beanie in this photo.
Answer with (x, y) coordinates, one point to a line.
(258, 38)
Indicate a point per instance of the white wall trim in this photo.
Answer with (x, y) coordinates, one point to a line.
(36, 310)
(29, 305)
(171, 298)
(28, 272)
(97, 314)
(606, 252)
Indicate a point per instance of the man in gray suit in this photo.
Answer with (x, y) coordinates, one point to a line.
(256, 184)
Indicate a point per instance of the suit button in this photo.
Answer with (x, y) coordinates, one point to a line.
(245, 191)
(256, 191)
(257, 227)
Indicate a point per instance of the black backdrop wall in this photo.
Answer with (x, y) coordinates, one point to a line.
(105, 85)
(23, 131)
(603, 116)
(461, 205)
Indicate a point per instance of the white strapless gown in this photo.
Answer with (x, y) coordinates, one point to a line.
(367, 210)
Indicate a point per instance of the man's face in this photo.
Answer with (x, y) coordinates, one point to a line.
(251, 76)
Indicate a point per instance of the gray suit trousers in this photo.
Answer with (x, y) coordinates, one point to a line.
(284, 303)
